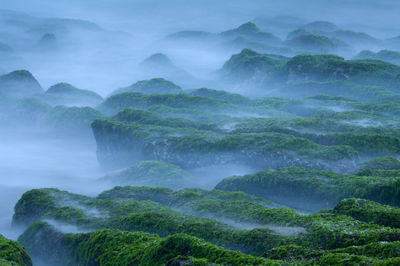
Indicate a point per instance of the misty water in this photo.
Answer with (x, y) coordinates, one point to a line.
(265, 127)
(42, 161)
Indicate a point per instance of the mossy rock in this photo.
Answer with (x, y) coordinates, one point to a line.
(151, 173)
(66, 94)
(251, 31)
(384, 55)
(19, 84)
(12, 253)
(317, 43)
(247, 63)
(119, 102)
(157, 85)
(124, 143)
(369, 211)
(382, 163)
(100, 248)
(313, 189)
(138, 209)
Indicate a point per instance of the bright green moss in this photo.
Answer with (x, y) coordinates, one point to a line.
(35, 203)
(364, 143)
(12, 253)
(135, 209)
(114, 247)
(132, 215)
(32, 205)
(344, 259)
(383, 163)
(140, 193)
(197, 248)
(330, 231)
(313, 189)
(369, 211)
(293, 253)
(236, 206)
(380, 250)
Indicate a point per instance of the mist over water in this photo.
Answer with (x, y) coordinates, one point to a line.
(105, 54)
(261, 103)
(28, 162)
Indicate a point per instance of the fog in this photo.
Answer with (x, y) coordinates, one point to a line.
(28, 162)
(101, 46)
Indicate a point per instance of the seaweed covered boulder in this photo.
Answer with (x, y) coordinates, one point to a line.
(181, 102)
(12, 253)
(28, 112)
(382, 163)
(44, 243)
(134, 209)
(75, 120)
(384, 55)
(265, 69)
(19, 84)
(121, 143)
(152, 118)
(317, 43)
(160, 65)
(66, 94)
(366, 144)
(248, 63)
(369, 211)
(36, 203)
(151, 173)
(152, 86)
(251, 31)
(39, 116)
(147, 216)
(344, 88)
(32, 205)
(221, 95)
(379, 253)
(312, 189)
(361, 39)
(100, 247)
(331, 67)
(236, 207)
